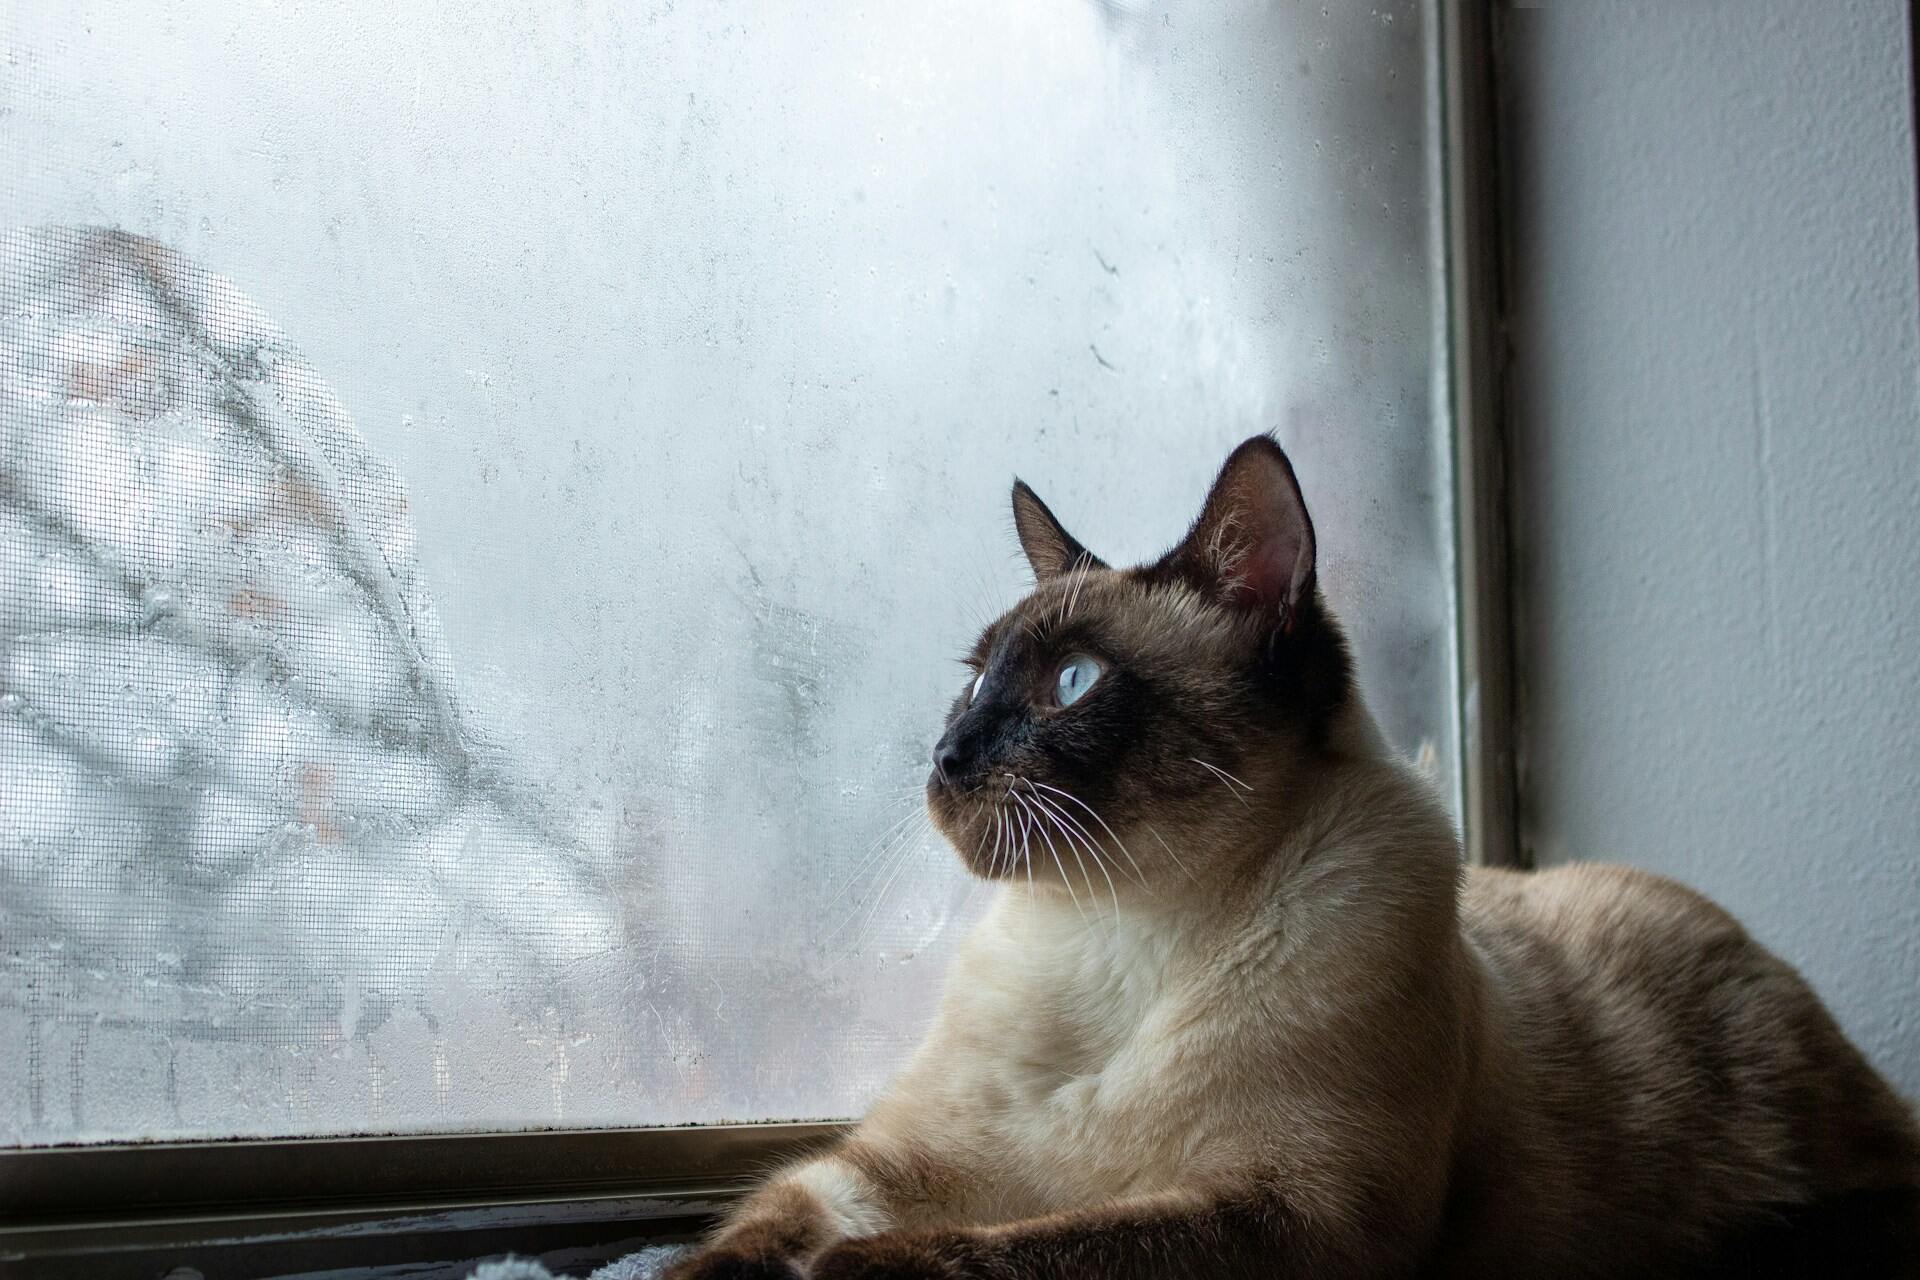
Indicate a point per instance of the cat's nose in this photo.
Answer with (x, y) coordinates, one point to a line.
(955, 760)
(950, 761)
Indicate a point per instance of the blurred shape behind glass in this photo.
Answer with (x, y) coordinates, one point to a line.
(482, 548)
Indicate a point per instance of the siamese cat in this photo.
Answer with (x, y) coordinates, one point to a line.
(1239, 1011)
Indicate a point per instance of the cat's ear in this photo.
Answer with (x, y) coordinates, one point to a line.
(1050, 549)
(1252, 546)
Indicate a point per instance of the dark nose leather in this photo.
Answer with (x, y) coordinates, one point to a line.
(951, 761)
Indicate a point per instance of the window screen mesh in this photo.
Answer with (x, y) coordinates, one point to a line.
(489, 500)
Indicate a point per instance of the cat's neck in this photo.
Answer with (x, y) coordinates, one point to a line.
(1356, 805)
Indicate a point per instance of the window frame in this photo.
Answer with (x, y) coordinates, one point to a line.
(1473, 284)
(578, 1198)
(300, 1204)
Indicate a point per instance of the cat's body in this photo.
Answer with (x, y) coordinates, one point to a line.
(1238, 1012)
(1661, 1096)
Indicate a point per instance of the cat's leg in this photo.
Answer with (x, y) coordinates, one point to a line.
(865, 1186)
(1255, 1232)
(768, 1236)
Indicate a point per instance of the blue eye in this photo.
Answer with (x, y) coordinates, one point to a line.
(974, 692)
(1077, 675)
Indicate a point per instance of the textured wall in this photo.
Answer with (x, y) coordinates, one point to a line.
(1720, 476)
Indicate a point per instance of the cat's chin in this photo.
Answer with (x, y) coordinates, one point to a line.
(983, 837)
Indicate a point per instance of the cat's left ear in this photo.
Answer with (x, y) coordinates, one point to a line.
(1252, 546)
(1050, 549)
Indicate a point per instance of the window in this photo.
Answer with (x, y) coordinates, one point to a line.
(489, 500)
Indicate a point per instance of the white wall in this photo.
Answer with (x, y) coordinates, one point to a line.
(1719, 480)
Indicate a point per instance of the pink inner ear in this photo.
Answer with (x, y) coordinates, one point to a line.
(1257, 579)
(1253, 542)
(1271, 572)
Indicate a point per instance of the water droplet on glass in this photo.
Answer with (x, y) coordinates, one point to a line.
(156, 603)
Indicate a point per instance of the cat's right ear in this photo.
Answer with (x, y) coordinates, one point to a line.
(1050, 549)
(1253, 545)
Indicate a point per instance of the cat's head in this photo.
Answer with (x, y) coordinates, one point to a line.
(1122, 724)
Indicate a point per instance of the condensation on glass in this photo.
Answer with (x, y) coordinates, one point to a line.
(490, 498)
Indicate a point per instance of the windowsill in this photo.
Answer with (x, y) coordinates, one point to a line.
(420, 1206)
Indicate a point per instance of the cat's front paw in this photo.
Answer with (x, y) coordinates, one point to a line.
(725, 1263)
(903, 1256)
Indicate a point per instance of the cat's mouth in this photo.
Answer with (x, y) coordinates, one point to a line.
(981, 821)
(1010, 825)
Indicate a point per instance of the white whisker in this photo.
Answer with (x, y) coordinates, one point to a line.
(980, 845)
(1028, 821)
(1028, 862)
(1025, 861)
(875, 854)
(1222, 772)
(1117, 841)
(901, 861)
(898, 854)
(1081, 827)
(1083, 565)
(1226, 778)
(1040, 818)
(1170, 853)
(1053, 811)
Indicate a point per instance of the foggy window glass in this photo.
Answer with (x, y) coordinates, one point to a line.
(491, 497)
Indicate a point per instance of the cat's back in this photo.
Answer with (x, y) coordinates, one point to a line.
(1666, 1081)
(1625, 928)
